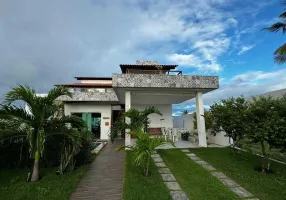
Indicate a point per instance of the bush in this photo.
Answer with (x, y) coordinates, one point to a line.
(185, 136)
(14, 153)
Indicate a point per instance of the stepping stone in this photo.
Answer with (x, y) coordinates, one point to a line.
(178, 195)
(160, 164)
(229, 183)
(191, 154)
(185, 150)
(158, 159)
(209, 167)
(241, 192)
(201, 162)
(253, 199)
(155, 156)
(195, 158)
(164, 171)
(173, 186)
(219, 175)
(168, 177)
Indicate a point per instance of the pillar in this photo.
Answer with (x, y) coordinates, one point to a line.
(127, 119)
(201, 127)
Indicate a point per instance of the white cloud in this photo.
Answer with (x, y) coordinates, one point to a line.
(254, 76)
(45, 43)
(247, 84)
(244, 49)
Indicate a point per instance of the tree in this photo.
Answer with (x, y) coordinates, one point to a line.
(46, 119)
(263, 125)
(145, 145)
(185, 112)
(139, 120)
(280, 53)
(208, 120)
(228, 116)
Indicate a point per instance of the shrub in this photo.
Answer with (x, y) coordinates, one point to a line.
(185, 135)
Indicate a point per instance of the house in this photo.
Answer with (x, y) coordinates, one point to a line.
(99, 100)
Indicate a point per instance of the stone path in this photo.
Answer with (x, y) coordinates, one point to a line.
(236, 188)
(104, 179)
(173, 186)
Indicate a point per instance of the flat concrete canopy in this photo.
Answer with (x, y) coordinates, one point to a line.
(161, 89)
(158, 95)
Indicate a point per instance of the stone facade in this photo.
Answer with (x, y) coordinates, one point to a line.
(157, 81)
(146, 62)
(91, 96)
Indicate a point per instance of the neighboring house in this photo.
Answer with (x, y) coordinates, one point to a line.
(143, 84)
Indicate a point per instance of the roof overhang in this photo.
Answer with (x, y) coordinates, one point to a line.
(156, 89)
(86, 85)
(93, 78)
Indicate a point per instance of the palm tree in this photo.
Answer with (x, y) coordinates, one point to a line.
(280, 53)
(139, 119)
(44, 120)
(143, 148)
(185, 112)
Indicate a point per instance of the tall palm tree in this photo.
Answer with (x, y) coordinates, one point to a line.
(280, 53)
(44, 119)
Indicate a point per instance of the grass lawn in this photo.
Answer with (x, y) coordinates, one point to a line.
(241, 169)
(137, 187)
(51, 187)
(197, 182)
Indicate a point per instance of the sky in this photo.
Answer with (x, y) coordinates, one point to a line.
(43, 43)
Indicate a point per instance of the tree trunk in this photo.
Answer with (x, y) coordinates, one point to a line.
(147, 168)
(35, 175)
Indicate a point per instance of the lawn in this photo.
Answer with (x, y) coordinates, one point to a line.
(197, 182)
(51, 187)
(241, 169)
(137, 187)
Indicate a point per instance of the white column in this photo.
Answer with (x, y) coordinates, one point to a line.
(127, 119)
(201, 127)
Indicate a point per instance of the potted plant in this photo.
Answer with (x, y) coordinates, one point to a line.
(185, 136)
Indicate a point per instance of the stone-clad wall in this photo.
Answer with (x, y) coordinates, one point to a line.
(150, 80)
(91, 96)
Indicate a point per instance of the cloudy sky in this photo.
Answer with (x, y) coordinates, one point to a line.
(43, 43)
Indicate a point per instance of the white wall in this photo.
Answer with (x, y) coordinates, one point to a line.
(105, 111)
(97, 81)
(156, 120)
(184, 121)
(219, 139)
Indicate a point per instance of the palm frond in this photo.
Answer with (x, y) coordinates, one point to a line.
(280, 54)
(73, 121)
(14, 113)
(277, 27)
(73, 135)
(283, 15)
(13, 129)
(57, 92)
(22, 93)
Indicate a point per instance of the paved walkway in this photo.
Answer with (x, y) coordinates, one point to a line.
(104, 179)
(173, 186)
(237, 189)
